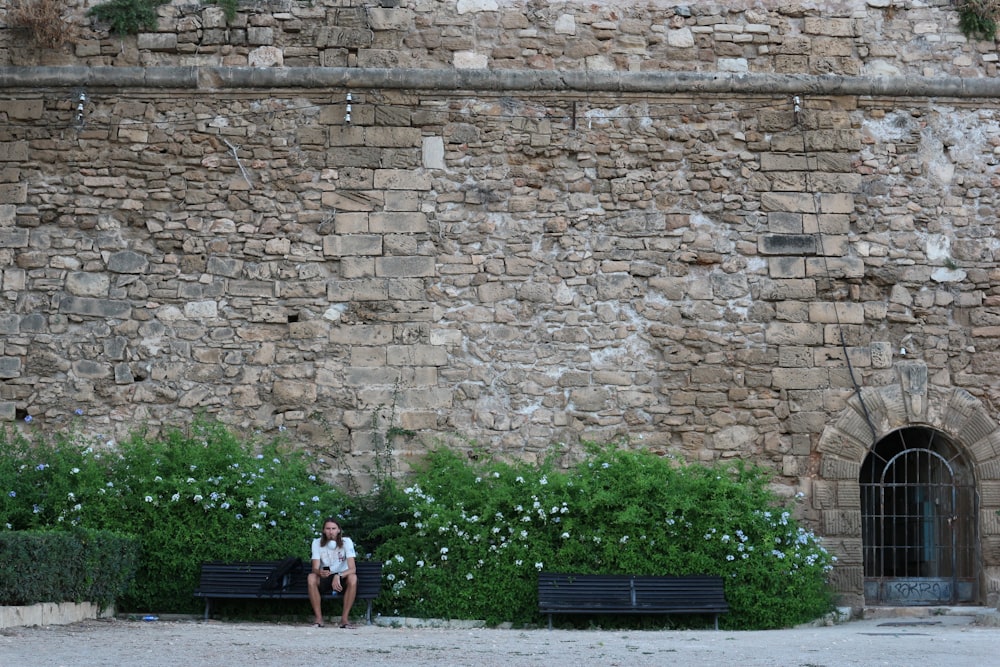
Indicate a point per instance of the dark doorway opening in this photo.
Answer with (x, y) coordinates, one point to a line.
(918, 521)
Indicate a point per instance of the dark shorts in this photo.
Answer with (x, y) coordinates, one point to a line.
(326, 584)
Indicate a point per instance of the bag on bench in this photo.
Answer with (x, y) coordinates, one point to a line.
(276, 579)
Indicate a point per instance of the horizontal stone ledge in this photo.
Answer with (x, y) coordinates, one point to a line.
(98, 77)
(221, 78)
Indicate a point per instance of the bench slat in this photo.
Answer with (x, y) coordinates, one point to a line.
(243, 580)
(560, 593)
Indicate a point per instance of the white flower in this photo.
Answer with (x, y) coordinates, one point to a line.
(469, 576)
(149, 499)
(174, 498)
(444, 550)
(420, 563)
(539, 565)
(197, 497)
(565, 536)
(75, 470)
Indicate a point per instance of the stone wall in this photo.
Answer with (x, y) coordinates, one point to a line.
(872, 38)
(712, 274)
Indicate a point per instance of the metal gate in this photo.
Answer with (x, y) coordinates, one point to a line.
(918, 522)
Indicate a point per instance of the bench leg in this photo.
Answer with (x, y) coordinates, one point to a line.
(208, 606)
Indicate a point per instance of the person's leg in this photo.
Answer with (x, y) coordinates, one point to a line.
(314, 598)
(350, 584)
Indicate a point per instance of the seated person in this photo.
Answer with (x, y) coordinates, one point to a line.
(332, 569)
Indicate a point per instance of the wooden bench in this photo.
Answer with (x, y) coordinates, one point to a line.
(630, 594)
(243, 580)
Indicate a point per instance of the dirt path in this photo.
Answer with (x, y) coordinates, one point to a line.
(947, 640)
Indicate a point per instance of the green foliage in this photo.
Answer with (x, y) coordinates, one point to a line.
(65, 566)
(228, 7)
(127, 17)
(477, 534)
(464, 540)
(194, 495)
(977, 19)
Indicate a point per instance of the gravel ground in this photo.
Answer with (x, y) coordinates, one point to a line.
(955, 641)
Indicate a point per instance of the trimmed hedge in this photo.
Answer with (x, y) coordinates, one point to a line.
(65, 566)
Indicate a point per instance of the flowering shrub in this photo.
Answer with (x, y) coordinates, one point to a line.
(475, 536)
(461, 540)
(200, 494)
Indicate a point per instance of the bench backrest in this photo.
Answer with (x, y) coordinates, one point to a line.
(586, 590)
(622, 592)
(245, 578)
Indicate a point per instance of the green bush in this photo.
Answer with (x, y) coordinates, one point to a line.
(127, 17)
(977, 19)
(190, 496)
(65, 566)
(477, 534)
(464, 540)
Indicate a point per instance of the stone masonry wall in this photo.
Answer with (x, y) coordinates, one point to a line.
(871, 38)
(522, 269)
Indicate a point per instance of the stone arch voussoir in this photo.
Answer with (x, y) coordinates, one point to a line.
(870, 416)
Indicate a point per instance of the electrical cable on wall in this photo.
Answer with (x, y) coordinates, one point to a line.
(246, 176)
(797, 110)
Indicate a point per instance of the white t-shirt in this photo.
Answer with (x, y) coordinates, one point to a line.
(332, 557)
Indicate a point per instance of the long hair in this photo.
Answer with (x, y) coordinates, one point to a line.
(340, 536)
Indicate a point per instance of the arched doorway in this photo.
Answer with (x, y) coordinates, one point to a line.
(918, 521)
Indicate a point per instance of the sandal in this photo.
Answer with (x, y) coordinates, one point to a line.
(348, 626)
(317, 625)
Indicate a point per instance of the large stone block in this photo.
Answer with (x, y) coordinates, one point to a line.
(401, 179)
(404, 267)
(103, 308)
(787, 244)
